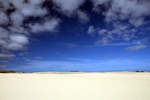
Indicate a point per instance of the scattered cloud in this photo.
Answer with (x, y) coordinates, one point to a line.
(132, 10)
(19, 19)
(125, 17)
(16, 23)
(119, 32)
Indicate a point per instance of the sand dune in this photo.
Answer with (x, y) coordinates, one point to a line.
(75, 86)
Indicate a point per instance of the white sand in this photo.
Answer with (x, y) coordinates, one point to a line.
(75, 86)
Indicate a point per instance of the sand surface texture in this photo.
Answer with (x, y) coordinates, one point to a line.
(75, 86)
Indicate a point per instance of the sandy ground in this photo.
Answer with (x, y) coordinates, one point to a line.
(75, 86)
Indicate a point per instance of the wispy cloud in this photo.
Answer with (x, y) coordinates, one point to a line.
(38, 58)
(3, 66)
(24, 53)
(136, 47)
(4, 55)
(71, 45)
(97, 44)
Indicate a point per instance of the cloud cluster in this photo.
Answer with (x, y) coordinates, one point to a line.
(19, 19)
(71, 8)
(119, 35)
(125, 17)
(132, 10)
(117, 32)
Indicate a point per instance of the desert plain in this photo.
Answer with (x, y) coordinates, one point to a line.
(75, 86)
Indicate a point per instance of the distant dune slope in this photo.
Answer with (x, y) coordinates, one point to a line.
(75, 86)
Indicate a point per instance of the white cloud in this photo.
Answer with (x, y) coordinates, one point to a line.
(102, 32)
(132, 10)
(137, 22)
(119, 31)
(32, 10)
(4, 4)
(49, 25)
(136, 47)
(91, 30)
(3, 33)
(68, 7)
(3, 18)
(12, 41)
(83, 17)
(99, 2)
(103, 41)
(3, 37)
(15, 35)
(6, 55)
(17, 3)
(17, 15)
(17, 41)
(36, 2)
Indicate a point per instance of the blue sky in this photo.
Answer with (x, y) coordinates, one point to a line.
(68, 35)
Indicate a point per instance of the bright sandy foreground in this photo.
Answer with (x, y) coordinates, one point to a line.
(75, 86)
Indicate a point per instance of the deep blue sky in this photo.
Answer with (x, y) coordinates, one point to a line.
(89, 37)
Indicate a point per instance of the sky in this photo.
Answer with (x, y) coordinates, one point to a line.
(74, 35)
